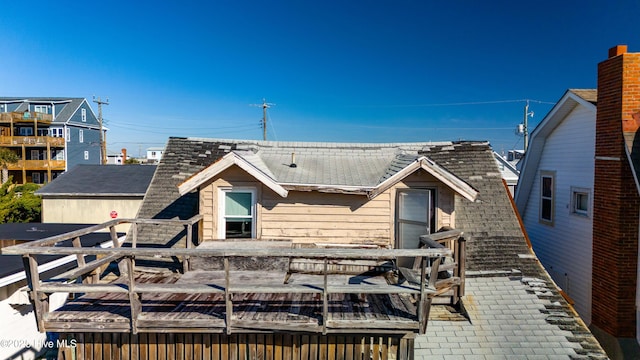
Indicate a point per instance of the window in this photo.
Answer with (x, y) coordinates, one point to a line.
(237, 213)
(81, 136)
(68, 133)
(83, 113)
(86, 155)
(35, 178)
(25, 131)
(41, 109)
(547, 194)
(55, 132)
(580, 201)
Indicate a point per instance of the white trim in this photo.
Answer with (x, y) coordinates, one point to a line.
(222, 218)
(224, 163)
(436, 171)
(608, 158)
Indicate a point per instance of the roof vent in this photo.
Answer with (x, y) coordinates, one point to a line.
(293, 161)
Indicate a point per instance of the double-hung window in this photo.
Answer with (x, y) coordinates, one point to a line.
(237, 210)
(83, 115)
(547, 197)
(80, 136)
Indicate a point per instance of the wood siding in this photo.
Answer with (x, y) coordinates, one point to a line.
(564, 248)
(315, 217)
(98, 346)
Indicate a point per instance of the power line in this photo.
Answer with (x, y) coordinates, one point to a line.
(458, 103)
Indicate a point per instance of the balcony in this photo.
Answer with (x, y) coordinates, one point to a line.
(32, 140)
(18, 117)
(38, 165)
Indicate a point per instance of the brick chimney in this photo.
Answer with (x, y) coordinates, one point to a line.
(124, 155)
(616, 203)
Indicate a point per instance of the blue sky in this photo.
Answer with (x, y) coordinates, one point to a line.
(357, 71)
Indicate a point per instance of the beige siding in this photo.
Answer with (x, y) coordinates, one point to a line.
(315, 217)
(89, 210)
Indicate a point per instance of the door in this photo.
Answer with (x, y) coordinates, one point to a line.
(413, 218)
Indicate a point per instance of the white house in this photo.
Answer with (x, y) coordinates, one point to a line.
(554, 194)
(154, 154)
(508, 171)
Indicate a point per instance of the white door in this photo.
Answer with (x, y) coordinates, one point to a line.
(412, 220)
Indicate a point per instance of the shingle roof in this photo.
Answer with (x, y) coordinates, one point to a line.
(590, 95)
(496, 248)
(101, 180)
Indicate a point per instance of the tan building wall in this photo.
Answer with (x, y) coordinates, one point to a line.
(89, 210)
(322, 217)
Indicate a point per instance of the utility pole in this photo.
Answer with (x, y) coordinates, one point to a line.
(103, 141)
(265, 105)
(527, 113)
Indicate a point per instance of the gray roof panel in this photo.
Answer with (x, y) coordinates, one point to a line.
(101, 180)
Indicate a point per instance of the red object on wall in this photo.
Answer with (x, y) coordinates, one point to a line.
(114, 214)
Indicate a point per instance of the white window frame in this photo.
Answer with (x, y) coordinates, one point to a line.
(81, 136)
(550, 198)
(35, 178)
(575, 192)
(68, 134)
(44, 109)
(83, 115)
(222, 218)
(55, 132)
(86, 155)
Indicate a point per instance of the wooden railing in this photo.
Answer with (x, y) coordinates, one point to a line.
(32, 140)
(429, 261)
(20, 117)
(37, 165)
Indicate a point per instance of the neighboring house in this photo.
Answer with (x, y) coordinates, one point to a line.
(154, 154)
(578, 199)
(49, 135)
(508, 171)
(117, 158)
(93, 194)
(19, 335)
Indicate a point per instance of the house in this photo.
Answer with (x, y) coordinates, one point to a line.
(578, 198)
(508, 171)
(242, 201)
(21, 340)
(109, 191)
(49, 134)
(154, 154)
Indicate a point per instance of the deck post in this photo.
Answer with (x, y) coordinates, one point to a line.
(39, 300)
(134, 298)
(325, 300)
(185, 260)
(114, 236)
(77, 244)
(461, 256)
(227, 295)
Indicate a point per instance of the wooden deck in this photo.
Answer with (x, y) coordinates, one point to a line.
(235, 299)
(292, 309)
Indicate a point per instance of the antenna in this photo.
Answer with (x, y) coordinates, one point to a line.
(265, 105)
(103, 142)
